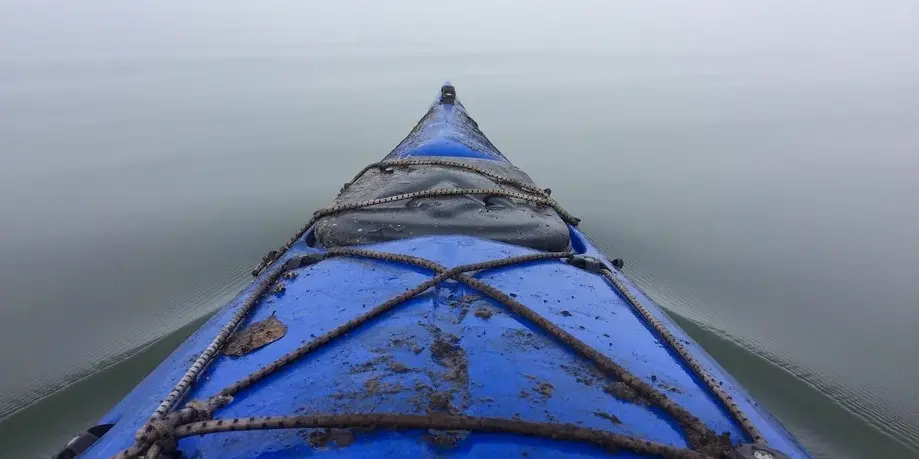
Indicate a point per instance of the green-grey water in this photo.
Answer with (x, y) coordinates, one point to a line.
(754, 164)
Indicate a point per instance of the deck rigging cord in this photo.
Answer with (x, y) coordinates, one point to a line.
(160, 434)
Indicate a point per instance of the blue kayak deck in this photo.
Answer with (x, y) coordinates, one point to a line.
(513, 369)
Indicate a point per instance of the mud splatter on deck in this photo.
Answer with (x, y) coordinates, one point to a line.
(484, 313)
(398, 367)
(611, 417)
(441, 402)
(525, 340)
(255, 336)
(545, 389)
(447, 353)
(445, 439)
(623, 392)
(325, 437)
(584, 373)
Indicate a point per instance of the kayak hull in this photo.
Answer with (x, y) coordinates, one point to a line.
(496, 364)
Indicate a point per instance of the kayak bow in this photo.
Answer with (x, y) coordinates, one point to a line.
(442, 305)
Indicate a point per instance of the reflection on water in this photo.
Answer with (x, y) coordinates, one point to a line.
(755, 172)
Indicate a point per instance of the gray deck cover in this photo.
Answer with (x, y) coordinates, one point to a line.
(492, 217)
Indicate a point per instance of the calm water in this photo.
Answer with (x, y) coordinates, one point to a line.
(754, 164)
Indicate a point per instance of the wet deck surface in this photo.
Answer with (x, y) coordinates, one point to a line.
(450, 350)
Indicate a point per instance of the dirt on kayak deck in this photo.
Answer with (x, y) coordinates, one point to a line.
(255, 336)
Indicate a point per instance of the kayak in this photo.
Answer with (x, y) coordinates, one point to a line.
(443, 305)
